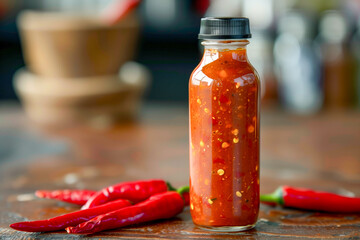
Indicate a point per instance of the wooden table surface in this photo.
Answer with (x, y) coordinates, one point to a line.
(321, 152)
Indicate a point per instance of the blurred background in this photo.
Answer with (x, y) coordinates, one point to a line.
(84, 65)
(69, 54)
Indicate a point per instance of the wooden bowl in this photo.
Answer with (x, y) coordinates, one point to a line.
(92, 100)
(70, 46)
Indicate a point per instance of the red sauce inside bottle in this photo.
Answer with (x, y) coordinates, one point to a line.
(224, 139)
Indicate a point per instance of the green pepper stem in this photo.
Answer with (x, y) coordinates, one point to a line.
(170, 187)
(183, 189)
(275, 197)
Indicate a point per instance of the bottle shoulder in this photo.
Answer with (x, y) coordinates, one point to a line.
(241, 72)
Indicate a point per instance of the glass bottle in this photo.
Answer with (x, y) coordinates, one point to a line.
(297, 66)
(224, 92)
(338, 61)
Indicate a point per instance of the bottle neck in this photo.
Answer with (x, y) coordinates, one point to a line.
(225, 44)
(214, 49)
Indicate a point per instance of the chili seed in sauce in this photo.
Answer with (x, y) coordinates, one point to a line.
(235, 131)
(225, 145)
(251, 129)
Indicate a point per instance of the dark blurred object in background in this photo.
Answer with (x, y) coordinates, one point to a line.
(10, 53)
(169, 45)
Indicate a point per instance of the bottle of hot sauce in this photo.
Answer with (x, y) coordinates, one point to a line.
(224, 92)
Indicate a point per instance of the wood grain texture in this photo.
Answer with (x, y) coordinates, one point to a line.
(320, 152)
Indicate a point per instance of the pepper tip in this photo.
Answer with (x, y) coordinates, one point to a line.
(39, 194)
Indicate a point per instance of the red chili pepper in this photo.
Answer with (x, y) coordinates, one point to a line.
(70, 219)
(312, 200)
(159, 206)
(78, 197)
(133, 191)
(186, 197)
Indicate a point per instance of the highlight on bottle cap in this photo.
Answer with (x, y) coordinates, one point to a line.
(224, 28)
